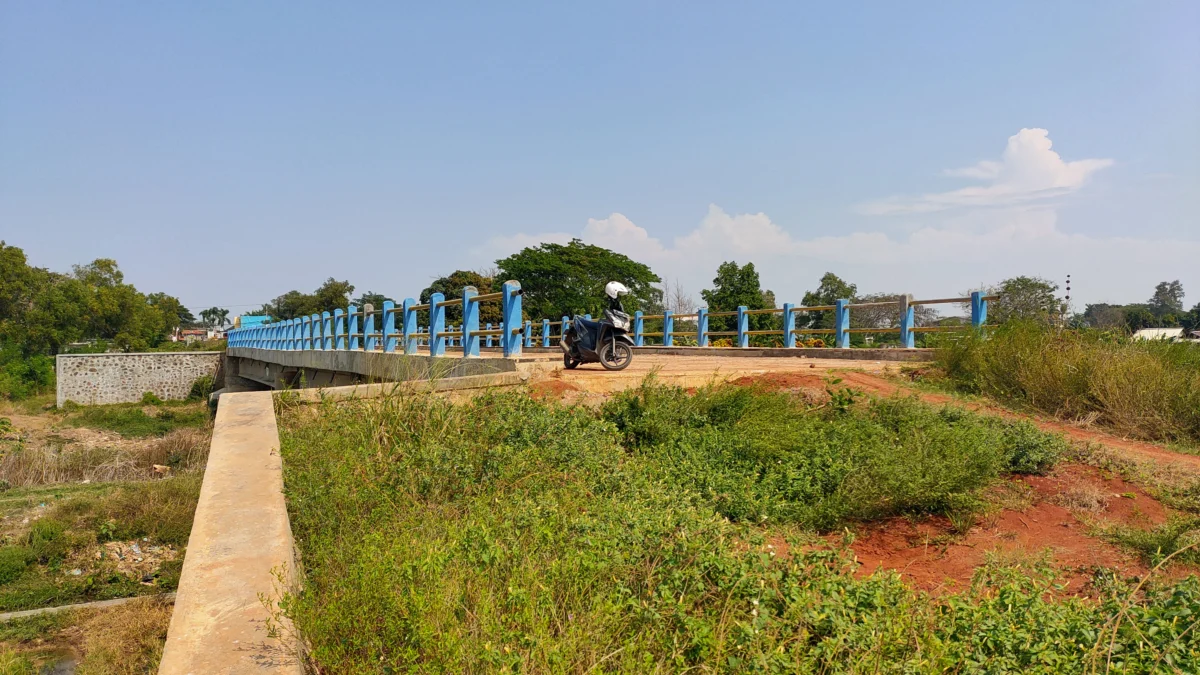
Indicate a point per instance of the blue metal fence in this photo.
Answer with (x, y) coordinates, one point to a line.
(354, 328)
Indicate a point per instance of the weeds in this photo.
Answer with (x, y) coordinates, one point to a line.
(1145, 388)
(30, 463)
(132, 421)
(510, 535)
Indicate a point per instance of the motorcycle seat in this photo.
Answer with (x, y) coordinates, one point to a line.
(586, 324)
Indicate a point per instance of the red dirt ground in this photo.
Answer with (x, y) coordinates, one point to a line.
(551, 389)
(929, 556)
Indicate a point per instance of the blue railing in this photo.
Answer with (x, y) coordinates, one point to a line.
(354, 329)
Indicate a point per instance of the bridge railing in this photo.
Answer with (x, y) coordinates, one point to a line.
(395, 329)
(790, 313)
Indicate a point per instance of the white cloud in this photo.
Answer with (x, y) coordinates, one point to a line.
(1028, 171)
(1005, 228)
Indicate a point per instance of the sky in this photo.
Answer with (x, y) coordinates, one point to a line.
(227, 152)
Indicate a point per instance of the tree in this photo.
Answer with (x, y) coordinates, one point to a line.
(373, 299)
(831, 289)
(1191, 320)
(569, 279)
(214, 317)
(1104, 316)
(888, 316)
(1167, 298)
(175, 315)
(1138, 317)
(676, 299)
(1024, 299)
(331, 295)
(452, 287)
(734, 287)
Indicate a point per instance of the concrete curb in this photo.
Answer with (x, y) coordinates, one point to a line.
(853, 354)
(99, 604)
(446, 384)
(241, 538)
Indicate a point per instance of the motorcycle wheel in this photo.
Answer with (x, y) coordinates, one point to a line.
(616, 356)
(569, 362)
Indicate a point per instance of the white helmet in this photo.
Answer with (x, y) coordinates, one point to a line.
(615, 288)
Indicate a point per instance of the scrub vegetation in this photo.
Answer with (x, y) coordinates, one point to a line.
(669, 531)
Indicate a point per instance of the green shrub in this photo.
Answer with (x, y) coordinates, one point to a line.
(162, 510)
(24, 376)
(150, 398)
(1145, 388)
(131, 420)
(13, 561)
(48, 540)
(508, 535)
(202, 388)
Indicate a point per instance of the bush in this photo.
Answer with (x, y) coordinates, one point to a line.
(131, 421)
(24, 376)
(150, 398)
(508, 535)
(48, 540)
(202, 388)
(1149, 389)
(13, 561)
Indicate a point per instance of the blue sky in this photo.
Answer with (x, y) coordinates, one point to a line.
(228, 152)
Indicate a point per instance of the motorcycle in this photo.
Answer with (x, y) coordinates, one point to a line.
(606, 342)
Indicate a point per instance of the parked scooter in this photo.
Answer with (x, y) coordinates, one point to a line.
(605, 342)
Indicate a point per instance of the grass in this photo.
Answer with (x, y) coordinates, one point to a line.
(136, 420)
(127, 639)
(37, 562)
(506, 534)
(56, 460)
(1147, 389)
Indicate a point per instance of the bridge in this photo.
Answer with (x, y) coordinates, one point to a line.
(412, 340)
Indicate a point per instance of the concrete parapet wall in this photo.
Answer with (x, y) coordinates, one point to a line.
(92, 379)
(241, 539)
(279, 368)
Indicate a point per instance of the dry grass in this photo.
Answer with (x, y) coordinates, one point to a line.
(127, 639)
(1082, 497)
(53, 459)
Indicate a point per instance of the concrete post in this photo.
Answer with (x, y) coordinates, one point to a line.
(339, 329)
(389, 326)
(978, 310)
(637, 328)
(510, 307)
(789, 325)
(528, 334)
(489, 337)
(545, 332)
(841, 323)
(326, 331)
(743, 325)
(408, 326)
(470, 324)
(907, 337)
(314, 332)
(668, 327)
(702, 327)
(352, 321)
(369, 341)
(437, 324)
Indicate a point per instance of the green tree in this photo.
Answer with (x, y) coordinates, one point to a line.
(1167, 299)
(1138, 317)
(569, 279)
(1191, 320)
(451, 287)
(735, 287)
(1104, 316)
(1024, 299)
(214, 317)
(175, 315)
(373, 299)
(831, 289)
(331, 295)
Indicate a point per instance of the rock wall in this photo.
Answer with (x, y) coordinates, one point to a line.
(91, 379)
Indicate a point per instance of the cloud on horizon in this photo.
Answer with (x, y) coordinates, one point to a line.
(972, 236)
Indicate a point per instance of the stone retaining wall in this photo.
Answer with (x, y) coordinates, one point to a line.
(92, 379)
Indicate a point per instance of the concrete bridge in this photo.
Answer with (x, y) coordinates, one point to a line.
(369, 344)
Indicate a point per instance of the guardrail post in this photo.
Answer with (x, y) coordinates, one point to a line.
(789, 325)
(907, 337)
(562, 330)
(668, 327)
(326, 331)
(978, 310)
(841, 323)
(314, 331)
(297, 326)
(510, 308)
(545, 332)
(527, 335)
(437, 324)
(489, 337)
(369, 341)
(637, 328)
(470, 324)
(702, 327)
(389, 326)
(743, 325)
(339, 329)
(352, 322)
(408, 326)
